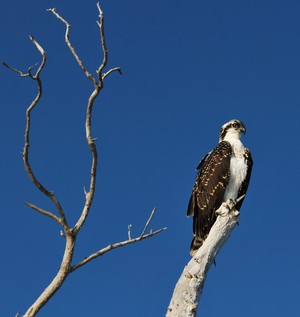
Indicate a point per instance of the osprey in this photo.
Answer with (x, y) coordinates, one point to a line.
(224, 173)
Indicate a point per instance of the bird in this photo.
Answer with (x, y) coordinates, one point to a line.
(224, 173)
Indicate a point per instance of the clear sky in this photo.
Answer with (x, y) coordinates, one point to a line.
(188, 68)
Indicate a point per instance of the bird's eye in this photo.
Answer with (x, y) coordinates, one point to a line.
(235, 125)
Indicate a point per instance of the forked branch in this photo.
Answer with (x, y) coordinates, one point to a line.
(122, 243)
(36, 77)
(98, 85)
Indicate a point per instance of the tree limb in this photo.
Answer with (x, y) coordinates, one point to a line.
(186, 296)
(43, 212)
(120, 244)
(118, 69)
(103, 42)
(89, 196)
(27, 165)
(114, 246)
(18, 71)
(71, 47)
(58, 280)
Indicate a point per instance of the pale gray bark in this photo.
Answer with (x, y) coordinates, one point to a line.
(188, 290)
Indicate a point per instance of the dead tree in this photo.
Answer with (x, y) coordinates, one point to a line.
(188, 290)
(68, 231)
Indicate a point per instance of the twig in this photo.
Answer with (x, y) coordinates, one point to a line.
(129, 231)
(148, 222)
(43, 212)
(42, 52)
(18, 71)
(118, 69)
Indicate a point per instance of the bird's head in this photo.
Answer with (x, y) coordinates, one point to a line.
(232, 129)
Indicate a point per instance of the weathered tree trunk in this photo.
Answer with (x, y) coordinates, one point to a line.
(188, 290)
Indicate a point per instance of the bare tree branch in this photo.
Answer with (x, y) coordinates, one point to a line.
(71, 47)
(27, 165)
(18, 71)
(120, 244)
(114, 246)
(89, 196)
(28, 168)
(44, 212)
(129, 232)
(58, 280)
(118, 69)
(148, 222)
(188, 290)
(103, 42)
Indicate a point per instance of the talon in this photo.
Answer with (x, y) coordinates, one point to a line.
(236, 212)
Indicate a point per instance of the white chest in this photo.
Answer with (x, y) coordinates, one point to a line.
(238, 172)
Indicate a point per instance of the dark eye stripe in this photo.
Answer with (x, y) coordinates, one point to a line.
(233, 124)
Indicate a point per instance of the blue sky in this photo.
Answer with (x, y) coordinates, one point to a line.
(188, 68)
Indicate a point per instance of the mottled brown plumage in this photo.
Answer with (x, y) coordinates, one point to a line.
(214, 174)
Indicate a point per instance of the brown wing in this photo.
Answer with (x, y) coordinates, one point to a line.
(209, 188)
(244, 186)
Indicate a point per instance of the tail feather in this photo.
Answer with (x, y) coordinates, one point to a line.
(196, 244)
